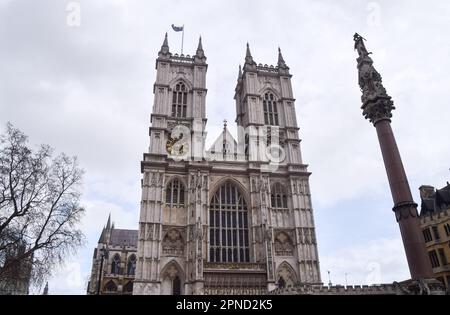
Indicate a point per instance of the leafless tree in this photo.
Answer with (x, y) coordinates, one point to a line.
(39, 206)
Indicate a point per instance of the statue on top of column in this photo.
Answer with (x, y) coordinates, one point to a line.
(377, 104)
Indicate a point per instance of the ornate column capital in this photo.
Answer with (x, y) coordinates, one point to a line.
(376, 103)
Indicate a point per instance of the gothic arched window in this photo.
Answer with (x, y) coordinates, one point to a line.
(128, 288)
(278, 197)
(179, 101)
(115, 265)
(111, 286)
(288, 275)
(228, 221)
(131, 265)
(270, 109)
(175, 194)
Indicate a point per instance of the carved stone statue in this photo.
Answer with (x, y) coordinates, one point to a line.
(192, 186)
(152, 179)
(377, 104)
(198, 229)
(199, 180)
(267, 232)
(149, 235)
(205, 182)
(294, 188)
(263, 185)
(359, 46)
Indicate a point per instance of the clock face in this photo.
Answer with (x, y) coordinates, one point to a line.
(275, 153)
(177, 145)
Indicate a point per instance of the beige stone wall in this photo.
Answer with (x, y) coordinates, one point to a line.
(282, 241)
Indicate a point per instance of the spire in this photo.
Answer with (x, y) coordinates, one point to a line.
(108, 225)
(200, 54)
(239, 80)
(200, 47)
(164, 52)
(377, 104)
(249, 59)
(281, 63)
(224, 138)
(248, 54)
(166, 42)
(45, 289)
(102, 238)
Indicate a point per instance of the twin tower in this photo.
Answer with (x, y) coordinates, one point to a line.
(235, 218)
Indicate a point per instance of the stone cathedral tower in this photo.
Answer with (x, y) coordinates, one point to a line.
(237, 218)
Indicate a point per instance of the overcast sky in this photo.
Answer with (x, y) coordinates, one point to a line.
(85, 87)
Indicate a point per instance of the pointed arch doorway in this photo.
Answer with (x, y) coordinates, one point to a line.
(172, 279)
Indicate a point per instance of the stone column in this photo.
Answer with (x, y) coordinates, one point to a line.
(404, 207)
(377, 107)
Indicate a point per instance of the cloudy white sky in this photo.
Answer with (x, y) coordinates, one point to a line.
(87, 91)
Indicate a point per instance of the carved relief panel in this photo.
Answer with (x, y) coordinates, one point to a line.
(173, 243)
(283, 244)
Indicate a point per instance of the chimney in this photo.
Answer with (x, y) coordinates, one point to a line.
(426, 191)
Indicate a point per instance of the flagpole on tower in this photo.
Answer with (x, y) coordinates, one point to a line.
(182, 40)
(179, 29)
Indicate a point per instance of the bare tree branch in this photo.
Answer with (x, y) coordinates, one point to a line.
(39, 206)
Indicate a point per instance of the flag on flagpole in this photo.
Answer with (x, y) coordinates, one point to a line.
(177, 28)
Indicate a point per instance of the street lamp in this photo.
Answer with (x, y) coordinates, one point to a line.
(103, 254)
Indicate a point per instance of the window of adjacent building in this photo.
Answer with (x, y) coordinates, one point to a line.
(442, 256)
(278, 197)
(436, 232)
(228, 221)
(434, 259)
(447, 229)
(270, 110)
(427, 235)
(179, 101)
(115, 265)
(175, 193)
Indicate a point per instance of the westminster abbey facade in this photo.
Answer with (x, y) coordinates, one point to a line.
(232, 219)
(238, 217)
